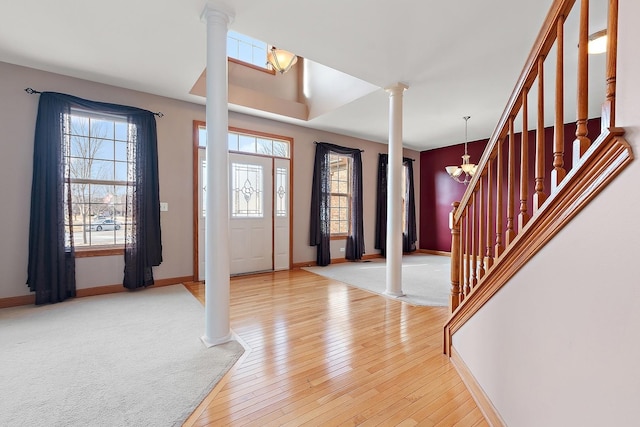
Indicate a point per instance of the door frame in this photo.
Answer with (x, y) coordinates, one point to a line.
(197, 124)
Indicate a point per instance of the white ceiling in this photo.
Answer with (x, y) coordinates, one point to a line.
(458, 57)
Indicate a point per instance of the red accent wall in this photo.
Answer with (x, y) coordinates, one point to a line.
(438, 191)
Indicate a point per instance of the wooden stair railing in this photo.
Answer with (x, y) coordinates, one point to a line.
(490, 240)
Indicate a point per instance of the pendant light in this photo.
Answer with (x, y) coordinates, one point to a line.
(466, 170)
(281, 60)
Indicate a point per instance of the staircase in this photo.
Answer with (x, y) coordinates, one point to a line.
(495, 229)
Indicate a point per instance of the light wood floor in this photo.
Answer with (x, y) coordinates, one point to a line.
(327, 354)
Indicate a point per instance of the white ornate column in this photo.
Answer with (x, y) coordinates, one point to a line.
(217, 330)
(394, 192)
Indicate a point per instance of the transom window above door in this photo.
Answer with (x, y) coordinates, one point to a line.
(254, 144)
(250, 143)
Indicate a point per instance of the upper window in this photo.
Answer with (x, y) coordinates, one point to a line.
(339, 201)
(247, 49)
(100, 164)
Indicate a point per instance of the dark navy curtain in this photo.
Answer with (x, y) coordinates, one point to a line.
(409, 233)
(320, 233)
(51, 269)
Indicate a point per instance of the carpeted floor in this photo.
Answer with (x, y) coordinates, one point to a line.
(126, 359)
(426, 278)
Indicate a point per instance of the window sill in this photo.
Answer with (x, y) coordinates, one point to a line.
(339, 236)
(102, 251)
(255, 67)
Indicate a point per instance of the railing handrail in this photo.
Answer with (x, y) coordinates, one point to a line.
(542, 47)
(486, 250)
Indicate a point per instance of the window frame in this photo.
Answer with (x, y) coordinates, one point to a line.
(107, 249)
(347, 195)
(267, 68)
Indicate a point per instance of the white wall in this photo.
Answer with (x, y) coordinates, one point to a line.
(558, 345)
(17, 125)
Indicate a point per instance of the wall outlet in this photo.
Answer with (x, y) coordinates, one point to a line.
(164, 206)
(341, 249)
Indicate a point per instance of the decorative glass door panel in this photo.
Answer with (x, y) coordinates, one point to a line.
(247, 194)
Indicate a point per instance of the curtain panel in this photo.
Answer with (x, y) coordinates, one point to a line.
(409, 233)
(51, 268)
(320, 233)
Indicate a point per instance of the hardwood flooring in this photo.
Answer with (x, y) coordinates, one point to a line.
(323, 353)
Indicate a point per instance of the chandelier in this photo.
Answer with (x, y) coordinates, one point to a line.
(281, 60)
(466, 170)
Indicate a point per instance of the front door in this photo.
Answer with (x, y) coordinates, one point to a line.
(251, 213)
(259, 209)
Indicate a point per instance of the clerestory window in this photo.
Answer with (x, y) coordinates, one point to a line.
(247, 49)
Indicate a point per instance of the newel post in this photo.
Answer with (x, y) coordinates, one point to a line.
(454, 299)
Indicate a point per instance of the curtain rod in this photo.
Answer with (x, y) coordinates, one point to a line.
(316, 142)
(31, 91)
(404, 159)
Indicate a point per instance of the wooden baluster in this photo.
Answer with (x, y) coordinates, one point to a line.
(523, 216)
(511, 177)
(490, 216)
(558, 173)
(609, 107)
(454, 298)
(481, 226)
(499, 207)
(463, 242)
(467, 260)
(581, 143)
(539, 197)
(474, 239)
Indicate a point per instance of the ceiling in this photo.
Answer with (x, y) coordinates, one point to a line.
(458, 57)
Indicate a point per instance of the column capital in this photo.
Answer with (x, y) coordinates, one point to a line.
(397, 88)
(217, 9)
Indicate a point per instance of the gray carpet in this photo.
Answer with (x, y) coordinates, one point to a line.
(126, 359)
(426, 279)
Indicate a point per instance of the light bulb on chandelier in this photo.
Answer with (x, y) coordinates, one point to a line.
(466, 170)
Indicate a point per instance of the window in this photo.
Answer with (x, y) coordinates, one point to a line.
(91, 159)
(247, 49)
(339, 200)
(100, 166)
(255, 144)
(336, 201)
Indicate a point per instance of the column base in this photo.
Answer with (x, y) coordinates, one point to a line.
(395, 293)
(211, 342)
